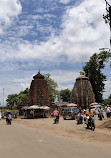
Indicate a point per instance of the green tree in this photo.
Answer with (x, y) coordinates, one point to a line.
(93, 71)
(11, 99)
(52, 87)
(107, 101)
(21, 97)
(65, 95)
(26, 91)
(16, 98)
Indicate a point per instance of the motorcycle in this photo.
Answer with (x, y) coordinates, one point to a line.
(56, 119)
(100, 115)
(90, 122)
(2, 115)
(108, 114)
(14, 115)
(8, 119)
(79, 118)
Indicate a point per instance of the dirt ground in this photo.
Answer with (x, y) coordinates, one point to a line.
(69, 128)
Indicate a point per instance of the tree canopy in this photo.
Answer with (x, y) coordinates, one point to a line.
(108, 100)
(65, 95)
(18, 98)
(52, 87)
(93, 71)
(13, 99)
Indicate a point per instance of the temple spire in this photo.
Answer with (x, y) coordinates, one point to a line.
(39, 71)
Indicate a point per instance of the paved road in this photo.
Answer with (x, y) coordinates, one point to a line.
(18, 141)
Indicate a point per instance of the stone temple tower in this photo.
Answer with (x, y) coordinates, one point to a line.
(38, 93)
(82, 93)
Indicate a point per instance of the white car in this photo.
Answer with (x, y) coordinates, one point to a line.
(95, 109)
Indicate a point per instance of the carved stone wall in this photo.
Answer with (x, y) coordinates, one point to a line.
(82, 93)
(38, 92)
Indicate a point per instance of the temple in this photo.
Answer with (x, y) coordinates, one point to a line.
(38, 92)
(82, 93)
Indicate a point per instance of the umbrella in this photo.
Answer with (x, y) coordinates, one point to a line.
(41, 107)
(93, 104)
(46, 108)
(72, 105)
(25, 107)
(34, 107)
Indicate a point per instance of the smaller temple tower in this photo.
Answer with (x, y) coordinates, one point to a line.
(82, 93)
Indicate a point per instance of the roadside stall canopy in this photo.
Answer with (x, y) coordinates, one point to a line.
(25, 107)
(71, 105)
(36, 111)
(34, 107)
(44, 107)
(92, 104)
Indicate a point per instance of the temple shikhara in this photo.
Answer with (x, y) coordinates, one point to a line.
(38, 92)
(82, 93)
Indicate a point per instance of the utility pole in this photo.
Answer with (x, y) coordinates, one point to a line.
(3, 97)
(107, 17)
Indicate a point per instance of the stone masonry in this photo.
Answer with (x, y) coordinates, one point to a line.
(82, 93)
(38, 92)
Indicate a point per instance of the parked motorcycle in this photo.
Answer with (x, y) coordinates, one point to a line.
(90, 122)
(79, 118)
(100, 115)
(56, 119)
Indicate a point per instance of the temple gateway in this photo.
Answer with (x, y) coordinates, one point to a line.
(82, 93)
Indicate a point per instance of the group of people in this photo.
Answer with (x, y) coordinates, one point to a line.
(88, 119)
(89, 112)
(8, 115)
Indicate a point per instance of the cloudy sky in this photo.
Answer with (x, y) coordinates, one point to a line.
(55, 36)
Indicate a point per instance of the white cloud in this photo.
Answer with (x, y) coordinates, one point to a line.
(13, 86)
(64, 76)
(84, 32)
(8, 10)
(65, 1)
(62, 87)
(107, 89)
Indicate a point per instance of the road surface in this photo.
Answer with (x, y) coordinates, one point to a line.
(18, 141)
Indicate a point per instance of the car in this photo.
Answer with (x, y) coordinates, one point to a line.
(70, 112)
(95, 109)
